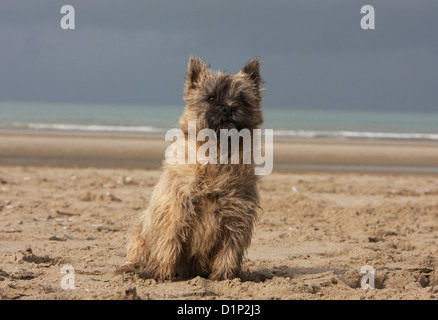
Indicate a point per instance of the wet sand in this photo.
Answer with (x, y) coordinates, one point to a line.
(147, 151)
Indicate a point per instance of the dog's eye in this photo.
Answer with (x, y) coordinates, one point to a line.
(210, 99)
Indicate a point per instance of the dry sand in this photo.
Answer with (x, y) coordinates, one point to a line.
(316, 231)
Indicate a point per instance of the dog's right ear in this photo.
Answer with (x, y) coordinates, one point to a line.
(194, 72)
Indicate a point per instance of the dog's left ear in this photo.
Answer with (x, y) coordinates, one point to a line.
(252, 69)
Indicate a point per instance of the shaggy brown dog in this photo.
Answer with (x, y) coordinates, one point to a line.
(201, 216)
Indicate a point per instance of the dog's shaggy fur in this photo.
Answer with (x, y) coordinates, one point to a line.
(201, 217)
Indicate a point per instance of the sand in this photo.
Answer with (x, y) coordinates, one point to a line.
(68, 200)
(147, 151)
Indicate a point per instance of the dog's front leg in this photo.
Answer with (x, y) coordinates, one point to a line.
(235, 239)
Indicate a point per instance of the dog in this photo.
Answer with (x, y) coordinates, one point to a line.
(201, 217)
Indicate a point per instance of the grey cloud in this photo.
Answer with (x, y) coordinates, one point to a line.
(314, 52)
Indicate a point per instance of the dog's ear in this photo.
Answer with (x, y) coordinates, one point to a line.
(194, 71)
(252, 70)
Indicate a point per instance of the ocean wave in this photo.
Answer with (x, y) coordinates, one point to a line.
(82, 127)
(355, 135)
(305, 134)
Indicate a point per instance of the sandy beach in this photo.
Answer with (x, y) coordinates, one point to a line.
(329, 208)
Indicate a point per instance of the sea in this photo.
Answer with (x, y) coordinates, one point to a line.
(157, 119)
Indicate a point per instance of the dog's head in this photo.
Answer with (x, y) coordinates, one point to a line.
(218, 100)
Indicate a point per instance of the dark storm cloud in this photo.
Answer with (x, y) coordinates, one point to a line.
(314, 52)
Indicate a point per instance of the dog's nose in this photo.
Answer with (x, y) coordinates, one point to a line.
(228, 110)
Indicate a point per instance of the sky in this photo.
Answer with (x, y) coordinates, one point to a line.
(315, 53)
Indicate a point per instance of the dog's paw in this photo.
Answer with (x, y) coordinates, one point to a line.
(127, 267)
